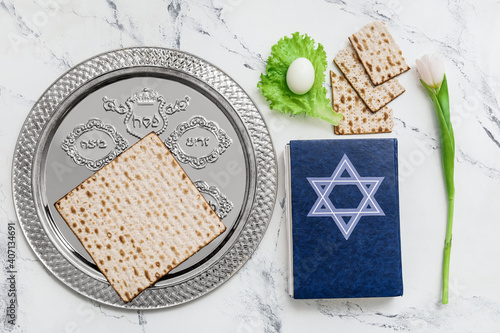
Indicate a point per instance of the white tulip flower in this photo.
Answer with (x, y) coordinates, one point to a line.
(431, 69)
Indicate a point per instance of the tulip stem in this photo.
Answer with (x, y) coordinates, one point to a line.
(441, 102)
(447, 249)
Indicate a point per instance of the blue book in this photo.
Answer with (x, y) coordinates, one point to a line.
(343, 214)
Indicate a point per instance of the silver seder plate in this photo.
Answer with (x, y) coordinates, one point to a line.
(104, 105)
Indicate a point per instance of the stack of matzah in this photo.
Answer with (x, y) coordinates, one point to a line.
(139, 217)
(369, 65)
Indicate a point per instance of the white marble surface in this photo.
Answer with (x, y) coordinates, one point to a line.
(42, 39)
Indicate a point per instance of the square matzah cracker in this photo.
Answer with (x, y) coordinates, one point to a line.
(357, 118)
(378, 52)
(139, 217)
(375, 97)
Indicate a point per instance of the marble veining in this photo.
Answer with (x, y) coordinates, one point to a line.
(43, 39)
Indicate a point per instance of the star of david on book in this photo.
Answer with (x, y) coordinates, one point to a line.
(346, 218)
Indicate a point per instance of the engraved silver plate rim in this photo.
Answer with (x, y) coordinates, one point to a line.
(261, 205)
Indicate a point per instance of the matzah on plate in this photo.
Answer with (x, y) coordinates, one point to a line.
(139, 217)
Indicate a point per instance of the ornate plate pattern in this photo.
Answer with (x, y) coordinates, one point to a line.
(198, 162)
(222, 206)
(69, 145)
(54, 105)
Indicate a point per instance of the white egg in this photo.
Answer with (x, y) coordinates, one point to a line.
(300, 76)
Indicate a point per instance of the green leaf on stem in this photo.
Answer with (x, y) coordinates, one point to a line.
(444, 102)
(447, 136)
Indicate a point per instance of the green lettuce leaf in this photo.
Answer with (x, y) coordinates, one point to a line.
(274, 88)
